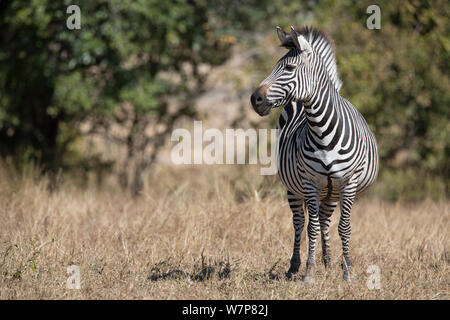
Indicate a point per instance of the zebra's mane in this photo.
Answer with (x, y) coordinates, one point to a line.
(323, 45)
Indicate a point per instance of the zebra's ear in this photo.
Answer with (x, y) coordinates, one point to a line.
(304, 44)
(300, 42)
(281, 35)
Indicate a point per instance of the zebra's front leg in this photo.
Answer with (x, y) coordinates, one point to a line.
(298, 220)
(325, 212)
(344, 228)
(313, 230)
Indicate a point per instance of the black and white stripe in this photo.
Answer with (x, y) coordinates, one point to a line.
(326, 152)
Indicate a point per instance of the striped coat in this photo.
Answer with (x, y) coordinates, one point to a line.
(326, 152)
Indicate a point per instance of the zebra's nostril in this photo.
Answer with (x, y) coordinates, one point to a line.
(257, 99)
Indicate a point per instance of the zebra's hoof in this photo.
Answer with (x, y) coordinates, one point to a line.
(308, 280)
(290, 274)
(348, 279)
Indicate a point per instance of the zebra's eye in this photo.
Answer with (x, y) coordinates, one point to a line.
(291, 67)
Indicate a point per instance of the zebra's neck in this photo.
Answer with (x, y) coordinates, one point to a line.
(323, 113)
(292, 112)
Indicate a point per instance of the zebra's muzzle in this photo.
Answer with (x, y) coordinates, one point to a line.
(259, 101)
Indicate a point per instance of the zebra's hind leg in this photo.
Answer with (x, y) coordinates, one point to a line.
(298, 220)
(312, 204)
(325, 211)
(344, 229)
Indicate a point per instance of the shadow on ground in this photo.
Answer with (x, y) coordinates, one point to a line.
(206, 269)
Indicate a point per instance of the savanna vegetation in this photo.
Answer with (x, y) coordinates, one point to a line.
(86, 116)
(183, 240)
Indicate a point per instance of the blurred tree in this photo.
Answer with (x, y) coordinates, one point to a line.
(121, 68)
(52, 78)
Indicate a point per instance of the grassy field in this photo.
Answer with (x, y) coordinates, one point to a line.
(206, 233)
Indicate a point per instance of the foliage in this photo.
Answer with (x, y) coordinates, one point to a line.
(121, 67)
(53, 78)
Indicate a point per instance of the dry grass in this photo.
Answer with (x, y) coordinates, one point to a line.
(201, 233)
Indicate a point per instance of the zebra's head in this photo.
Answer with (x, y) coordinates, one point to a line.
(291, 79)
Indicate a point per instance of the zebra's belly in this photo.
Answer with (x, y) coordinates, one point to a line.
(302, 176)
(302, 183)
(290, 176)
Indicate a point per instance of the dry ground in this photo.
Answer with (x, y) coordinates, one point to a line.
(204, 233)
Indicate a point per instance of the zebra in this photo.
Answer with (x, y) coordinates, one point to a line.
(326, 152)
